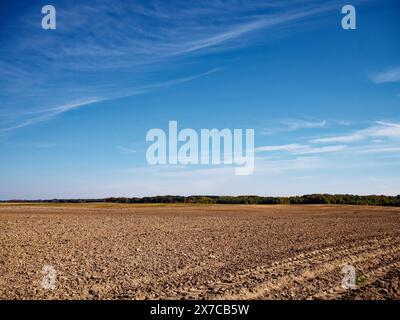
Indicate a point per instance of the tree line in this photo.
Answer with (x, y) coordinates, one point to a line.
(374, 200)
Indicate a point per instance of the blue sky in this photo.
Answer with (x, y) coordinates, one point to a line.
(76, 102)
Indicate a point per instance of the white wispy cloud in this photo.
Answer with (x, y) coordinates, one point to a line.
(341, 139)
(50, 113)
(125, 150)
(377, 149)
(381, 138)
(144, 33)
(345, 122)
(390, 75)
(300, 149)
(212, 173)
(105, 49)
(296, 124)
(289, 125)
(380, 129)
(284, 147)
(36, 145)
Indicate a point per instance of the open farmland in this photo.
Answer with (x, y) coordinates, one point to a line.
(112, 251)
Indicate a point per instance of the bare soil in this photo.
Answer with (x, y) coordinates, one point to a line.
(102, 251)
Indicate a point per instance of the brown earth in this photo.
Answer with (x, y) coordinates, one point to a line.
(105, 251)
